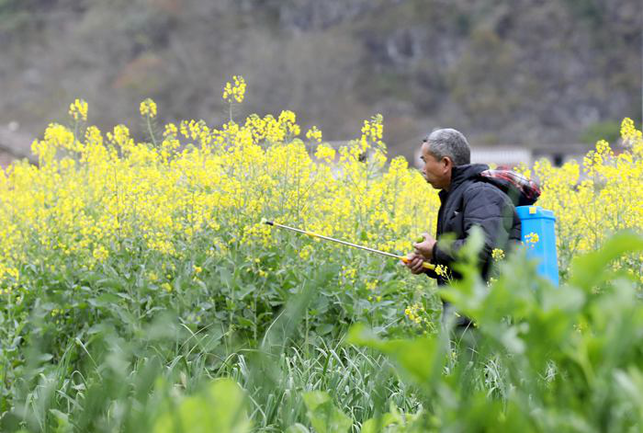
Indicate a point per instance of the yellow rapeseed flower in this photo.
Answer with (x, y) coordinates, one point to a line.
(314, 134)
(235, 91)
(78, 109)
(148, 108)
(325, 153)
(531, 238)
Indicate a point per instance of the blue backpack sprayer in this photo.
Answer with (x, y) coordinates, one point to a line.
(538, 232)
(540, 222)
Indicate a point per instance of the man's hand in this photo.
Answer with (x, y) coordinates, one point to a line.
(425, 248)
(414, 263)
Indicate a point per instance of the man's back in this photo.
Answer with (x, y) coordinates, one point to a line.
(470, 201)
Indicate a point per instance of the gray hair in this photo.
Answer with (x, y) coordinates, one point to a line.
(449, 142)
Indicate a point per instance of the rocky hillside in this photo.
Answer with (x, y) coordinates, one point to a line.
(526, 71)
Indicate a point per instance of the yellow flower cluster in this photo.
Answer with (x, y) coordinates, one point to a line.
(100, 253)
(442, 270)
(532, 238)
(325, 153)
(314, 134)
(371, 285)
(96, 191)
(631, 136)
(10, 278)
(416, 314)
(288, 119)
(78, 110)
(305, 252)
(348, 274)
(148, 108)
(594, 200)
(235, 91)
(373, 130)
(498, 254)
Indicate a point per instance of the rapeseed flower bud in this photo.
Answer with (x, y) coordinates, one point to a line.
(148, 108)
(314, 134)
(170, 130)
(305, 252)
(325, 153)
(287, 121)
(441, 270)
(532, 238)
(415, 314)
(100, 253)
(235, 91)
(629, 132)
(78, 110)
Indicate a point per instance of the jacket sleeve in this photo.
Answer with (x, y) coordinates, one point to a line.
(487, 207)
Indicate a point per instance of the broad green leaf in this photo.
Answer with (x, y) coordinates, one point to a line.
(220, 408)
(63, 421)
(323, 415)
(588, 270)
(472, 247)
(376, 425)
(422, 358)
(297, 428)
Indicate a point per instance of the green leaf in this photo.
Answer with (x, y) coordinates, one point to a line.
(243, 322)
(587, 271)
(323, 415)
(297, 428)
(104, 300)
(472, 247)
(314, 399)
(376, 425)
(325, 328)
(62, 419)
(226, 276)
(422, 358)
(220, 408)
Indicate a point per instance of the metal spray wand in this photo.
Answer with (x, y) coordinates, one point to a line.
(384, 253)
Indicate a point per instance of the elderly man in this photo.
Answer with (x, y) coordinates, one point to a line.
(467, 199)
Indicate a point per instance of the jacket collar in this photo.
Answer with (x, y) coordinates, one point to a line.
(460, 174)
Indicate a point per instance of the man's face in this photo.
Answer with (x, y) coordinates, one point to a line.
(437, 173)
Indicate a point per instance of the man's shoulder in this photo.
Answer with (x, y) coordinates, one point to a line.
(475, 186)
(478, 189)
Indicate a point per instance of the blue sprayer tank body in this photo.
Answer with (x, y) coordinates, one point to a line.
(539, 221)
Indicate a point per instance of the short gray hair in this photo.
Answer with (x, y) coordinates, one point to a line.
(449, 142)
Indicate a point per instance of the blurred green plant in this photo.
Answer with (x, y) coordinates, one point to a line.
(569, 358)
(219, 408)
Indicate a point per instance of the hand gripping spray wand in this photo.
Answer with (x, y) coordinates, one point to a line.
(404, 259)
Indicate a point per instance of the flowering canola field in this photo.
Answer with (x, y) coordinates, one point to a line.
(194, 194)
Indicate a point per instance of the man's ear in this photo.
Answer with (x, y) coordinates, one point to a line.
(447, 163)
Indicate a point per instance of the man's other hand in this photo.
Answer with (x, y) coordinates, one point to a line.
(414, 263)
(425, 248)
